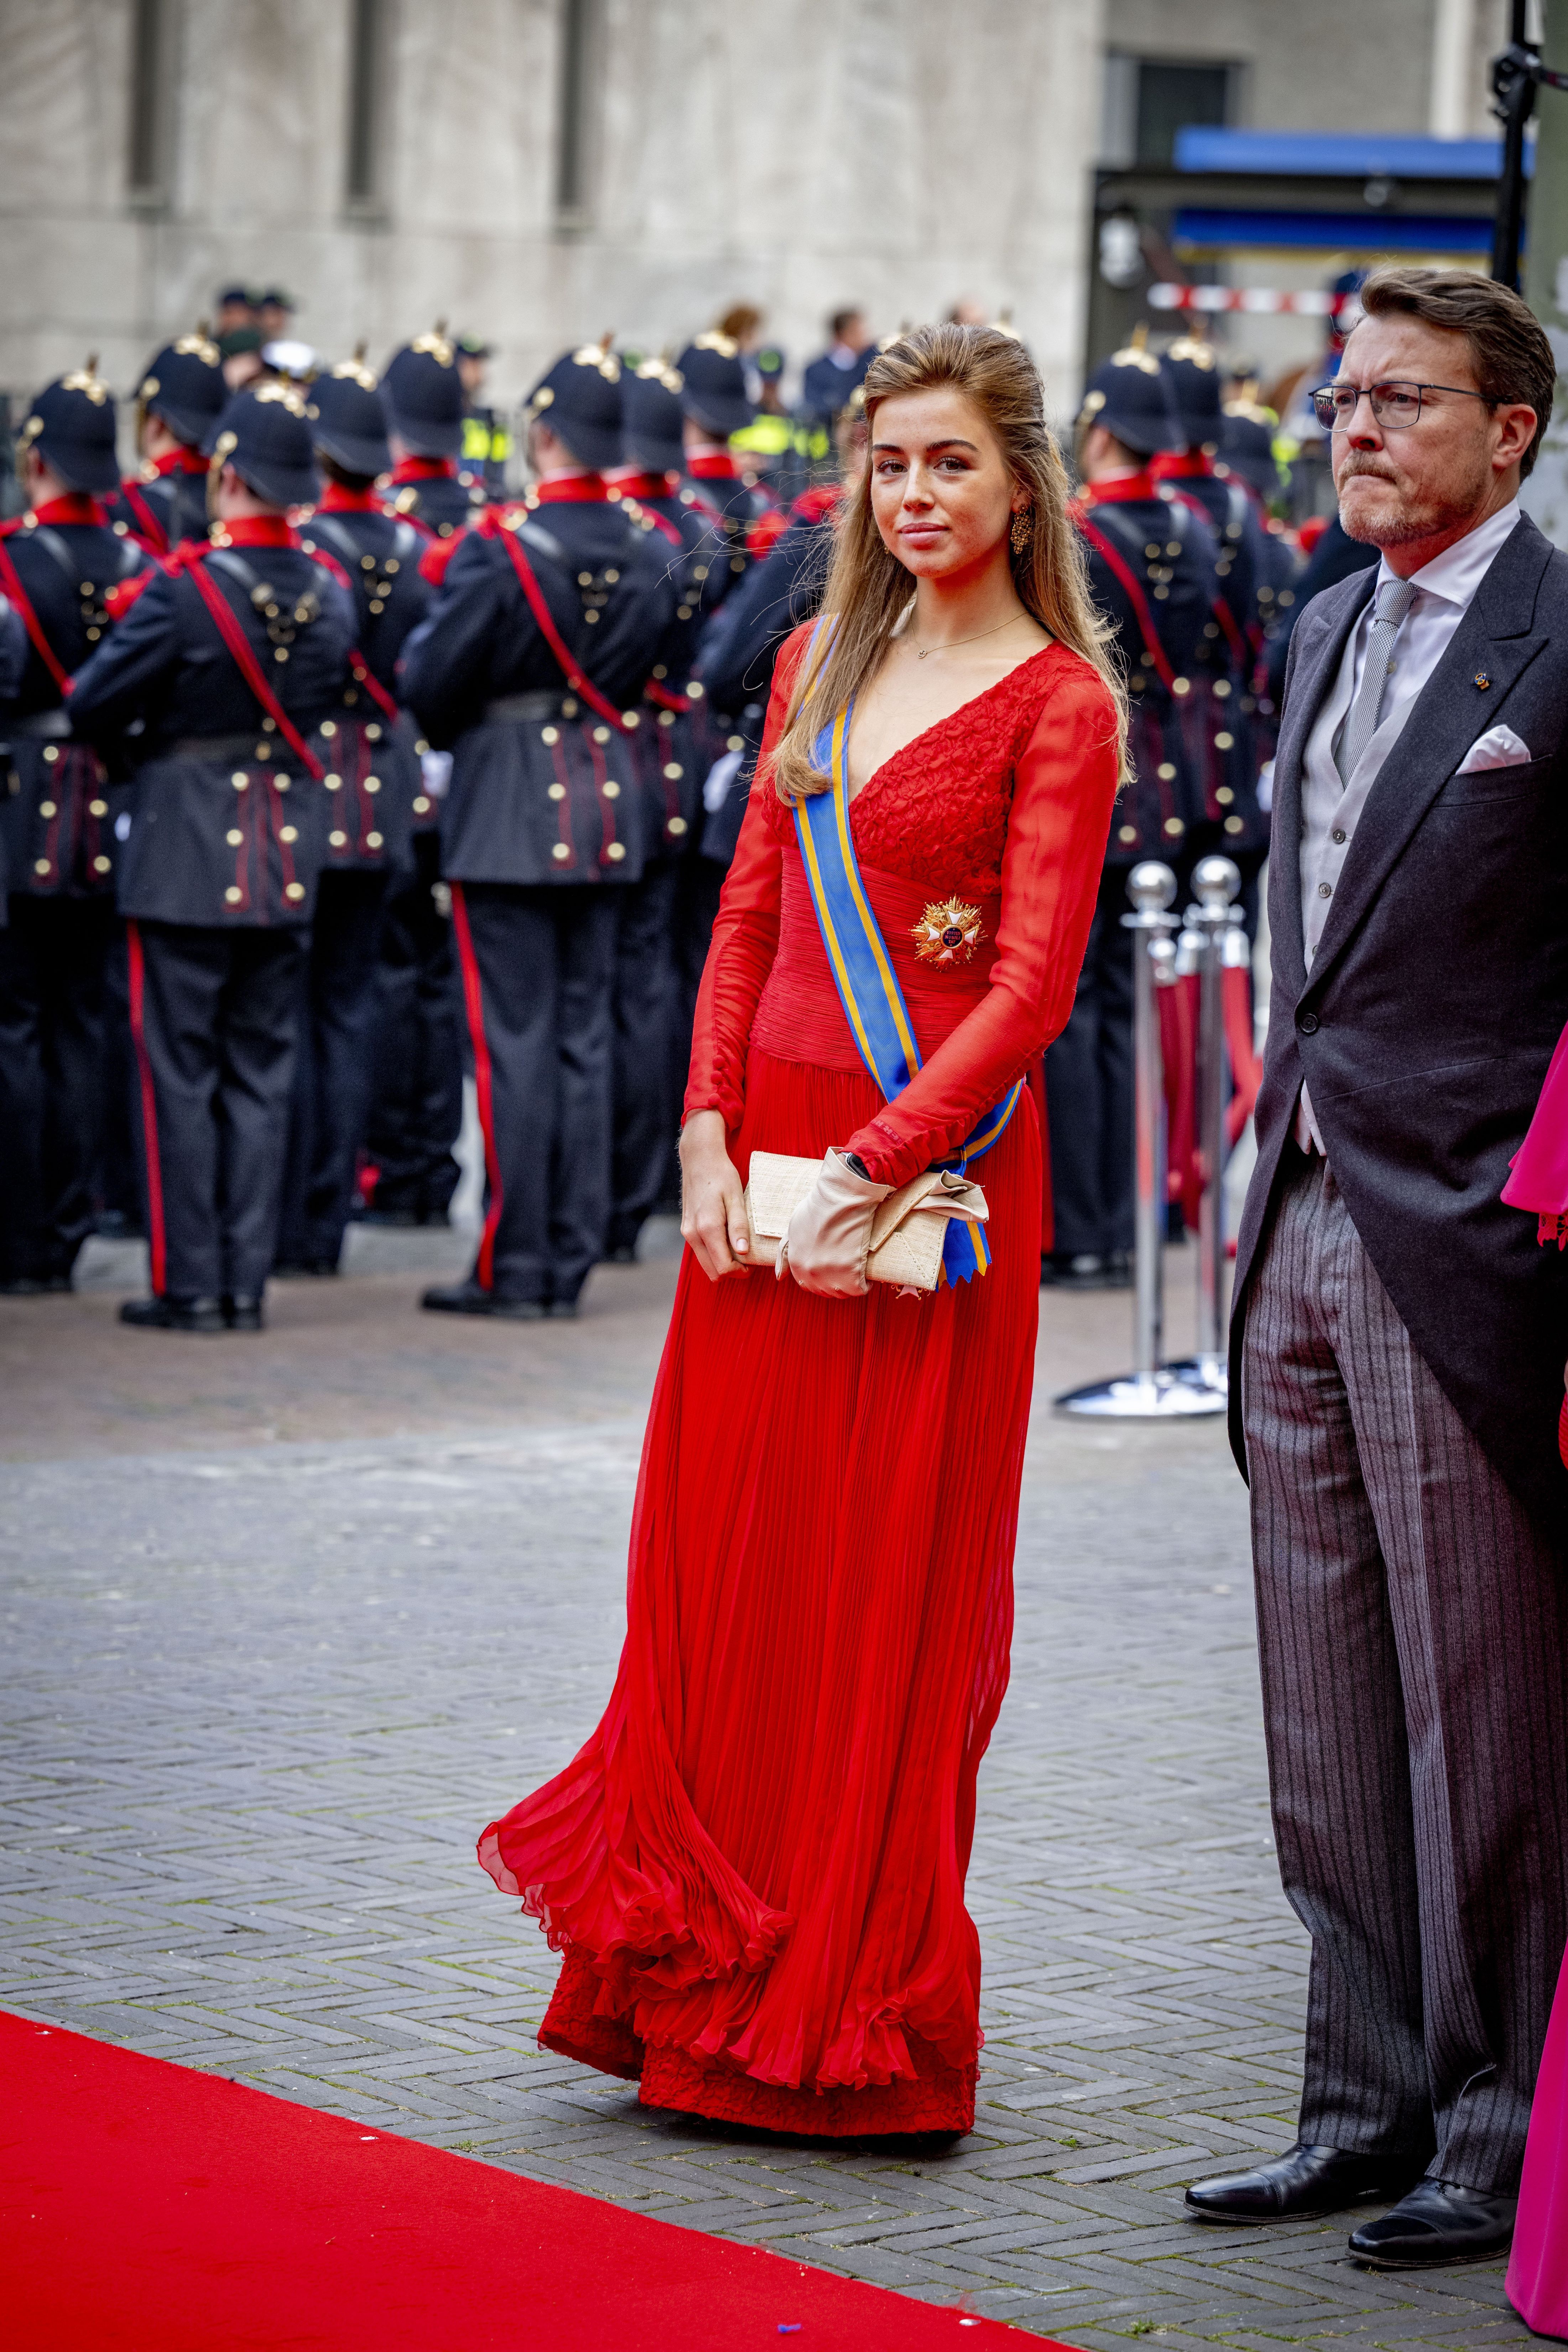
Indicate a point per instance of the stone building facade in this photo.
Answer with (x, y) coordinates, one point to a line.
(540, 171)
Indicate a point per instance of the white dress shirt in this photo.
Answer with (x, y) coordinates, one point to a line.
(1332, 808)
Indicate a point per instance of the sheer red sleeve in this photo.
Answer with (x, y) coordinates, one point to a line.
(745, 930)
(1063, 791)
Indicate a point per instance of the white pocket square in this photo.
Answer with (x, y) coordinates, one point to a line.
(1499, 747)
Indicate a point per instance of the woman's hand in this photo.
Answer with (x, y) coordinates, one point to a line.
(712, 1199)
(828, 1236)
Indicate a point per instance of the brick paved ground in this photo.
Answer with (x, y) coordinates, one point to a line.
(283, 1621)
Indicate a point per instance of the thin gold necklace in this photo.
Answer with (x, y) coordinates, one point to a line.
(921, 651)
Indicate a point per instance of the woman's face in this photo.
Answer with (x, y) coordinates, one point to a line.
(940, 490)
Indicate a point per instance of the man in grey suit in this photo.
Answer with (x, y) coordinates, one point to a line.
(1398, 1337)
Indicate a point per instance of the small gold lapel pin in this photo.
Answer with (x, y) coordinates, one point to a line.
(1482, 680)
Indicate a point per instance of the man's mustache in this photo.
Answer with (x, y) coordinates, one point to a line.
(1354, 466)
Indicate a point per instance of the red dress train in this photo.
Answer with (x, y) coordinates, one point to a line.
(755, 1866)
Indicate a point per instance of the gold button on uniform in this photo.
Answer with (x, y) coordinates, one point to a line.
(1128, 833)
(1233, 824)
(601, 734)
(98, 808)
(1174, 826)
(676, 827)
(1224, 742)
(295, 890)
(100, 865)
(557, 791)
(1166, 771)
(616, 852)
(674, 771)
(289, 833)
(611, 789)
(549, 735)
(232, 895)
(372, 841)
(373, 784)
(561, 853)
(235, 837)
(40, 865)
(48, 808)
(421, 805)
(338, 840)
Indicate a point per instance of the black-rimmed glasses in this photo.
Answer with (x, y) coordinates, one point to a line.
(1394, 405)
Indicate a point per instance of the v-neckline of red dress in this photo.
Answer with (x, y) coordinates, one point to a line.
(938, 724)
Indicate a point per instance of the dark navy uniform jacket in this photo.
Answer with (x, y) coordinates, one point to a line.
(377, 798)
(56, 816)
(667, 745)
(543, 789)
(740, 645)
(427, 491)
(163, 505)
(1154, 573)
(228, 828)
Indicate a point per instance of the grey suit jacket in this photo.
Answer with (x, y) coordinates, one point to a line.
(1436, 996)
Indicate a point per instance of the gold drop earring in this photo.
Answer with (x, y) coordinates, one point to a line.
(1023, 530)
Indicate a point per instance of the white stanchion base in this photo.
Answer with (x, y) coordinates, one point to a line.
(1141, 1397)
(1206, 1372)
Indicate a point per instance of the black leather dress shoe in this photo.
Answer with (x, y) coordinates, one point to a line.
(242, 1312)
(173, 1315)
(1436, 2225)
(472, 1299)
(1303, 2185)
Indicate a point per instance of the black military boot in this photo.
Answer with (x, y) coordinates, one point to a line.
(243, 1312)
(173, 1315)
(472, 1298)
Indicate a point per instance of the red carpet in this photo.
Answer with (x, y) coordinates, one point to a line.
(148, 2208)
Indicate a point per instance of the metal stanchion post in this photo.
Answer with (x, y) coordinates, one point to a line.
(1216, 882)
(1148, 1392)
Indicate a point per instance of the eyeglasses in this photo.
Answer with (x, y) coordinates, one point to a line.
(1394, 405)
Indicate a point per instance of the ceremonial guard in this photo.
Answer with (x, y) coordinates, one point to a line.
(532, 667)
(410, 1171)
(649, 1067)
(1154, 573)
(59, 565)
(181, 397)
(231, 658)
(375, 795)
(423, 396)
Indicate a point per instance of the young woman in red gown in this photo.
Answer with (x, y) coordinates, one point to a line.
(755, 1868)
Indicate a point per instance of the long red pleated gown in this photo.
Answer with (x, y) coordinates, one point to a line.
(755, 1866)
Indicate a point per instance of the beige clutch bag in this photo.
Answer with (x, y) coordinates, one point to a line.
(907, 1233)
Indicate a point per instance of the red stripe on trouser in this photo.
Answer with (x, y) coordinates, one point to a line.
(149, 1110)
(474, 1006)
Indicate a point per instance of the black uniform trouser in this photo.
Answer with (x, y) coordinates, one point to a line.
(52, 956)
(416, 1103)
(1088, 1090)
(213, 1016)
(334, 1067)
(645, 1132)
(538, 968)
(118, 1185)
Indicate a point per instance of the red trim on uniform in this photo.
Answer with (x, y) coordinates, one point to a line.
(1154, 652)
(1181, 466)
(553, 638)
(633, 484)
(239, 644)
(571, 490)
(336, 499)
(74, 506)
(155, 1228)
(1121, 491)
(257, 531)
(424, 469)
(30, 621)
(1220, 608)
(717, 467)
(151, 535)
(816, 506)
(474, 1005)
(437, 556)
(661, 523)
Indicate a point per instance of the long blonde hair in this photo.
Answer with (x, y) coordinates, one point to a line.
(868, 587)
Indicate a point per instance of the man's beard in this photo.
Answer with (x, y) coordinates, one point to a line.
(1408, 519)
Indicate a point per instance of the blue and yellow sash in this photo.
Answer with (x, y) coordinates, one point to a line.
(867, 985)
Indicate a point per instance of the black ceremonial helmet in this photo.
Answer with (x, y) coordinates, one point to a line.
(580, 399)
(184, 388)
(715, 385)
(1195, 375)
(423, 396)
(71, 424)
(348, 422)
(651, 416)
(265, 435)
(1130, 395)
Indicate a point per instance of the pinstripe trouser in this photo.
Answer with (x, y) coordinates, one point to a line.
(1413, 1627)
